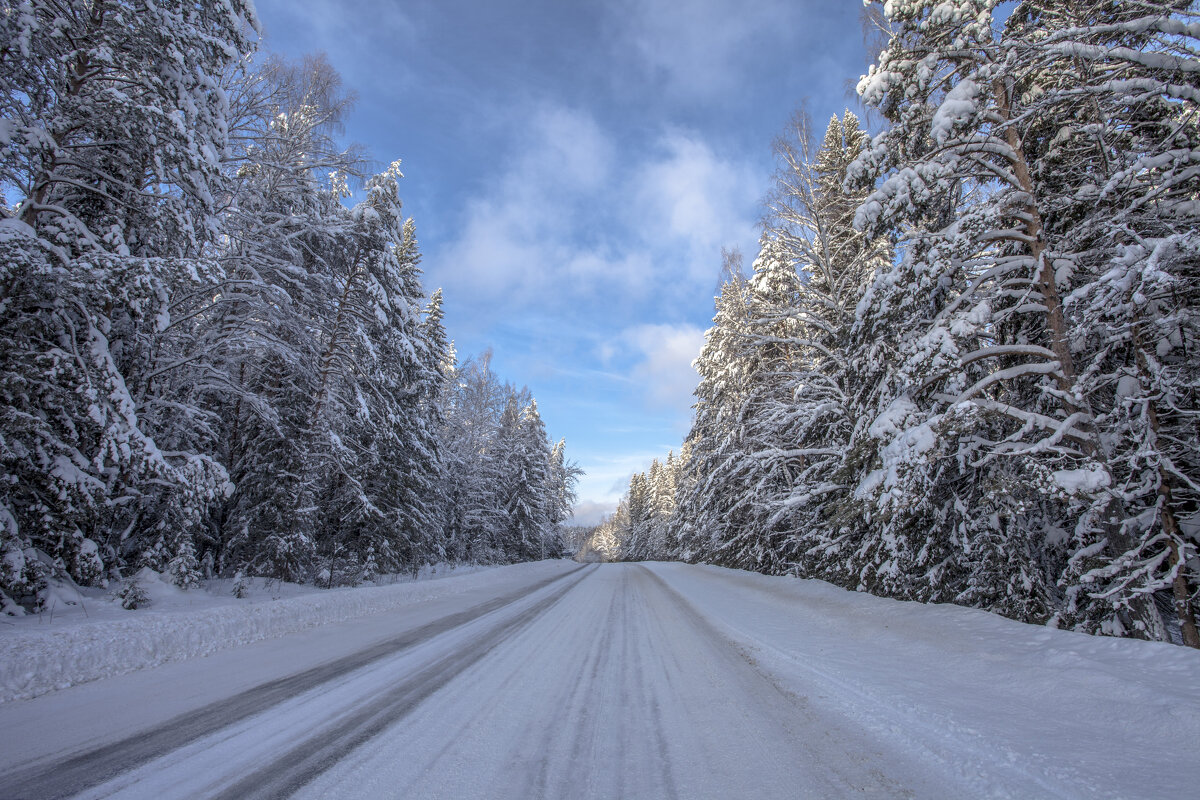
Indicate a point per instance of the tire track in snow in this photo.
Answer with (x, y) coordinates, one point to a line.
(618, 690)
(837, 741)
(986, 775)
(96, 766)
(301, 764)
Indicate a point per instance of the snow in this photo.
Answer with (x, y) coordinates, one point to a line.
(894, 418)
(1010, 709)
(86, 635)
(959, 106)
(905, 446)
(639, 680)
(1082, 481)
(11, 228)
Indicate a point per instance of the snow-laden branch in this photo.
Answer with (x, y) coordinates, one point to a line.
(998, 351)
(1021, 370)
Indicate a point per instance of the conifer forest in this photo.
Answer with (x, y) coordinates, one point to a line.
(280, 515)
(216, 354)
(964, 367)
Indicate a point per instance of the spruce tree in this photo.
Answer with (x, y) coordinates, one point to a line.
(1000, 143)
(114, 154)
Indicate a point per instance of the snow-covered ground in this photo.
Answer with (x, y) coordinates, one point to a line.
(626, 680)
(1007, 708)
(85, 634)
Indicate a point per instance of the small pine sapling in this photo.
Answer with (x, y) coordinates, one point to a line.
(133, 595)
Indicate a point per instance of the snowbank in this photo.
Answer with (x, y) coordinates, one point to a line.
(38, 655)
(1014, 710)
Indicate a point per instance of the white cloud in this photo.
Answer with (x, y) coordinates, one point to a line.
(698, 200)
(698, 45)
(664, 367)
(606, 351)
(526, 236)
(568, 219)
(607, 475)
(569, 152)
(590, 512)
(363, 53)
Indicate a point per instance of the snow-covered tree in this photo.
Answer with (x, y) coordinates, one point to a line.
(780, 366)
(1001, 142)
(114, 124)
(372, 410)
(1122, 172)
(287, 176)
(637, 519)
(473, 404)
(524, 453)
(115, 120)
(710, 487)
(211, 359)
(561, 480)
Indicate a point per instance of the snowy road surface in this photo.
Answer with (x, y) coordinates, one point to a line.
(632, 681)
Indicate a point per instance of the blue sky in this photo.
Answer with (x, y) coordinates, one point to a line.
(574, 169)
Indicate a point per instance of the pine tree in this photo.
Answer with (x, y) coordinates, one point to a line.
(753, 468)
(522, 453)
(284, 209)
(373, 411)
(115, 154)
(110, 105)
(209, 362)
(950, 517)
(473, 404)
(561, 480)
(184, 567)
(637, 512)
(812, 214)
(660, 486)
(538, 450)
(999, 144)
(1120, 180)
(702, 521)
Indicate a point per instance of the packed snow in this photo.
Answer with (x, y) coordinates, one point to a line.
(85, 634)
(1009, 709)
(632, 680)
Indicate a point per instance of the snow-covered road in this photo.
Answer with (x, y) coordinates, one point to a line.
(626, 680)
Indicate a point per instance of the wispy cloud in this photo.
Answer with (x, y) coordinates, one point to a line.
(608, 474)
(698, 47)
(570, 223)
(590, 512)
(616, 377)
(362, 53)
(664, 361)
(530, 233)
(698, 200)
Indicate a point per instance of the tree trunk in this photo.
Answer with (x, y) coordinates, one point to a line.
(1180, 586)
(330, 353)
(1056, 323)
(1147, 622)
